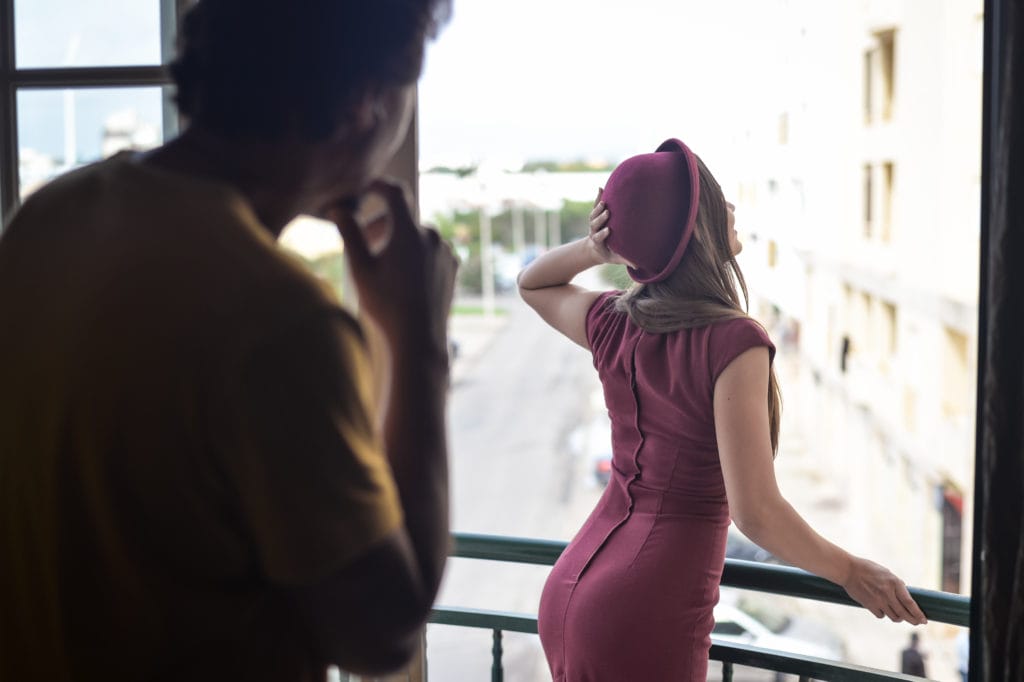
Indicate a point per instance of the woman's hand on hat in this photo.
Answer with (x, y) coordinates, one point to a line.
(599, 233)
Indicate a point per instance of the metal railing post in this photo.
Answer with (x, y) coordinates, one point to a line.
(497, 672)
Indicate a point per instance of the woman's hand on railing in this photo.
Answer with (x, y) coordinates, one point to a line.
(882, 593)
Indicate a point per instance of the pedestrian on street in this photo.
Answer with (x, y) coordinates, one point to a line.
(694, 405)
(911, 658)
(194, 480)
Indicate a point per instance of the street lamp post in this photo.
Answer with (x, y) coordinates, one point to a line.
(518, 230)
(540, 228)
(555, 229)
(486, 262)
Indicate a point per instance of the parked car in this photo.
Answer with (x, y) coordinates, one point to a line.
(592, 441)
(738, 546)
(775, 630)
(603, 468)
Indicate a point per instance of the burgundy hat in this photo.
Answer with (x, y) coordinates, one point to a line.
(652, 209)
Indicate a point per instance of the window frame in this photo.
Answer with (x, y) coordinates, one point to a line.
(14, 79)
(998, 26)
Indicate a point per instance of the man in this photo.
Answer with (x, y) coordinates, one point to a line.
(193, 484)
(911, 658)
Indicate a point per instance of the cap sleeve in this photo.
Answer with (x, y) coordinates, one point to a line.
(601, 312)
(730, 339)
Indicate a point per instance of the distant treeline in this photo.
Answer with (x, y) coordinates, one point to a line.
(549, 166)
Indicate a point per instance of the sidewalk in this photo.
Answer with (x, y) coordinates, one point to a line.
(472, 334)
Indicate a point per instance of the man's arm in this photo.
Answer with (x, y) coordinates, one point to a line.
(366, 617)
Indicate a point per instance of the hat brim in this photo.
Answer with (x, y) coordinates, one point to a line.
(643, 276)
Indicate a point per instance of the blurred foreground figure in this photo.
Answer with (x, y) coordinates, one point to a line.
(193, 482)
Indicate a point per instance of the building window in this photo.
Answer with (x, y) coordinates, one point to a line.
(868, 200)
(890, 334)
(886, 64)
(957, 397)
(880, 77)
(887, 201)
(869, 60)
(952, 537)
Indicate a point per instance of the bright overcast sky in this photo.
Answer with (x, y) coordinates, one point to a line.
(591, 79)
(505, 81)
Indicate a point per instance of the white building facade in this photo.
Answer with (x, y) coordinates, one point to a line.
(859, 210)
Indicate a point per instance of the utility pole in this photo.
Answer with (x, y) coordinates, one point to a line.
(555, 229)
(518, 230)
(540, 228)
(486, 262)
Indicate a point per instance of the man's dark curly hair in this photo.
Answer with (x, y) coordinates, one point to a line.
(265, 68)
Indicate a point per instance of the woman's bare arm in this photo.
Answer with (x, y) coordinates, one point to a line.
(544, 286)
(763, 514)
(545, 283)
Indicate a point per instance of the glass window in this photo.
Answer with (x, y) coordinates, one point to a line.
(844, 196)
(57, 33)
(61, 129)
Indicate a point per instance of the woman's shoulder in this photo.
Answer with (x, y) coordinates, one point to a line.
(739, 330)
(737, 325)
(605, 324)
(603, 306)
(730, 338)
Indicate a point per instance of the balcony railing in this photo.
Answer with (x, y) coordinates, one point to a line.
(938, 606)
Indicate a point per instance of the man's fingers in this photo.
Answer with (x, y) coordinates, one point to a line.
(355, 244)
(394, 194)
(377, 233)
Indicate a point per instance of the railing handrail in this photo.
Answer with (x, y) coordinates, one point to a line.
(732, 652)
(942, 607)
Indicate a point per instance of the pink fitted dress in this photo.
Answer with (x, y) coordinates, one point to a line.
(632, 596)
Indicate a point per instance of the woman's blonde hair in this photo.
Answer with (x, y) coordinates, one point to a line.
(702, 289)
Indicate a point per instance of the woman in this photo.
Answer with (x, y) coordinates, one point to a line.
(694, 408)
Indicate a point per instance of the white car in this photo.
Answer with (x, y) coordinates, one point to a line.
(788, 634)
